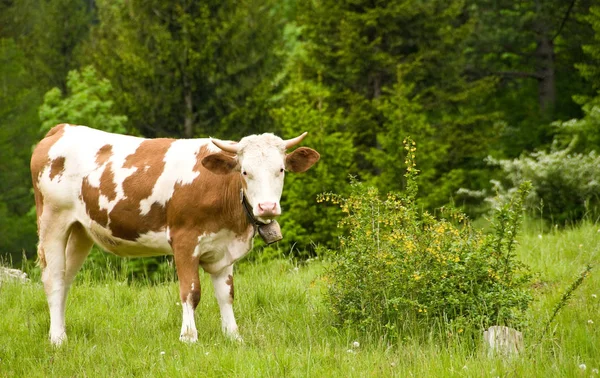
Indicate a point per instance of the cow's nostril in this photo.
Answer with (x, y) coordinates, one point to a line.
(267, 207)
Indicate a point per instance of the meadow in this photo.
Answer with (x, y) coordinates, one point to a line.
(121, 328)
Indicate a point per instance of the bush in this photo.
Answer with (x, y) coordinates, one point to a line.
(397, 264)
(566, 184)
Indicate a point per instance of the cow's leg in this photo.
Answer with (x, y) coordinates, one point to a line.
(62, 250)
(51, 251)
(78, 248)
(223, 284)
(189, 288)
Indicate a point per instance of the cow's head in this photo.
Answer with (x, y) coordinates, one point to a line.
(261, 160)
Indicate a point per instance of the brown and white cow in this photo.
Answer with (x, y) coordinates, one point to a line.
(148, 197)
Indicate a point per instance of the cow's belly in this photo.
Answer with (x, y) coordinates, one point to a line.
(148, 244)
(218, 250)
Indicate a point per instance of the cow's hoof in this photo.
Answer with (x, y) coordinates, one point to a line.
(188, 337)
(234, 336)
(58, 339)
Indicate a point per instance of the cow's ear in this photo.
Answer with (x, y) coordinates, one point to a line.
(220, 163)
(301, 159)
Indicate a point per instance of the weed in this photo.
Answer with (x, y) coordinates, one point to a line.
(399, 267)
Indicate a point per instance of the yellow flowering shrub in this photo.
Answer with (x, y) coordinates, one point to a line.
(396, 263)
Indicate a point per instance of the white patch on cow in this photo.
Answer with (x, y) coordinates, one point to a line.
(262, 157)
(218, 250)
(223, 295)
(56, 303)
(212, 148)
(168, 235)
(157, 240)
(189, 333)
(80, 162)
(179, 160)
(149, 244)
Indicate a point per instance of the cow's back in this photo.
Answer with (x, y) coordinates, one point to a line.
(116, 186)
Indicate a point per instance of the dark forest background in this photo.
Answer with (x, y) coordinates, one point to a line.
(494, 92)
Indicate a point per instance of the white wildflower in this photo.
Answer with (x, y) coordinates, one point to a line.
(594, 296)
(582, 366)
(590, 321)
(595, 371)
(355, 344)
(162, 353)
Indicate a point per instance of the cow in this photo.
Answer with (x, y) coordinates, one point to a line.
(200, 200)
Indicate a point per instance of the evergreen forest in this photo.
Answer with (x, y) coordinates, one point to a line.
(493, 92)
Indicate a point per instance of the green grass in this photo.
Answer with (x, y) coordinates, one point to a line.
(119, 329)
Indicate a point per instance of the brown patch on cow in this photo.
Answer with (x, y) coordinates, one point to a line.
(91, 196)
(108, 187)
(211, 201)
(57, 167)
(193, 297)
(231, 290)
(58, 129)
(103, 154)
(220, 163)
(301, 159)
(183, 242)
(126, 221)
(39, 161)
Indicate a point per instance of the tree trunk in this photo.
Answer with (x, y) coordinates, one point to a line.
(188, 125)
(545, 72)
(544, 55)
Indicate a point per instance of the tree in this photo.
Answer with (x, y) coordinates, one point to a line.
(186, 68)
(305, 107)
(87, 102)
(18, 128)
(358, 49)
(590, 70)
(531, 47)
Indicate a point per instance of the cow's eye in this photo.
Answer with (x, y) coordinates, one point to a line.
(281, 170)
(245, 173)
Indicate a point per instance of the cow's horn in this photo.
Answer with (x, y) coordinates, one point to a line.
(226, 146)
(294, 141)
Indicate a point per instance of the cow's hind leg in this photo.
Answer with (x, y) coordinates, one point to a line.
(51, 252)
(62, 250)
(78, 248)
(223, 284)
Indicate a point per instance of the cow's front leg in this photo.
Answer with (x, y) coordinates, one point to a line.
(223, 284)
(189, 288)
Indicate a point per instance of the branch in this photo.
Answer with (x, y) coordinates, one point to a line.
(524, 74)
(564, 20)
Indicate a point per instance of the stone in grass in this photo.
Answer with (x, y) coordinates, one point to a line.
(503, 340)
(7, 274)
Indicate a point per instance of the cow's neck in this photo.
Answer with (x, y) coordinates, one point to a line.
(235, 206)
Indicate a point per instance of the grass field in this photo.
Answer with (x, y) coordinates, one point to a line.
(121, 329)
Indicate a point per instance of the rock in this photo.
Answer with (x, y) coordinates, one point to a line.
(8, 274)
(503, 340)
